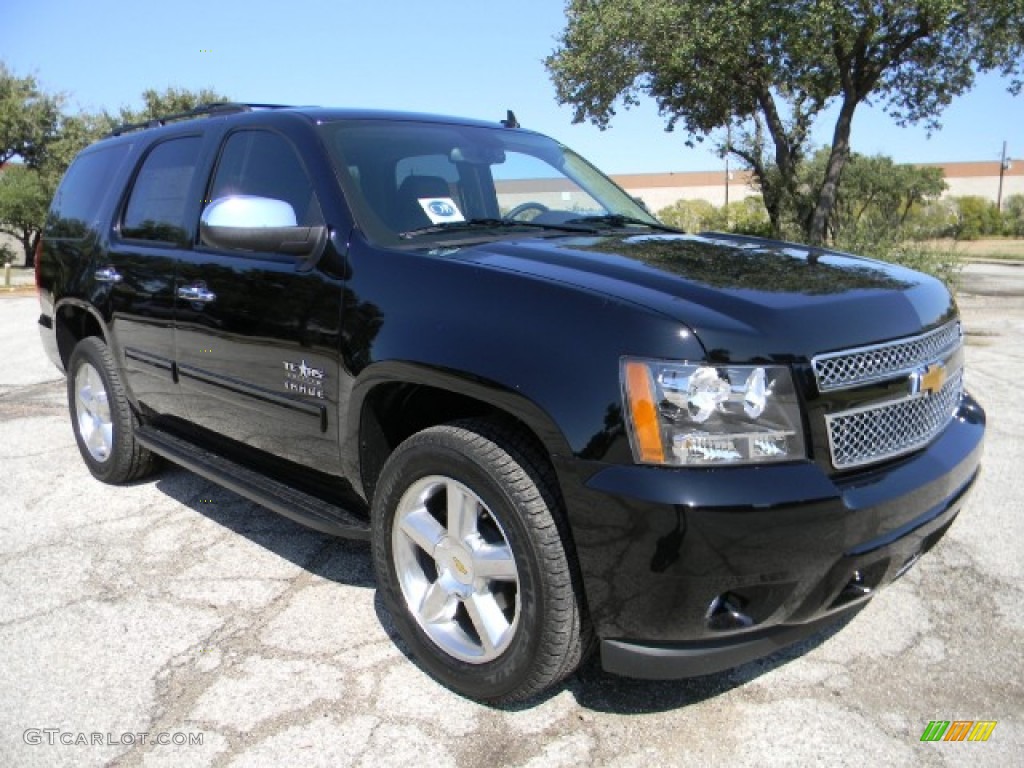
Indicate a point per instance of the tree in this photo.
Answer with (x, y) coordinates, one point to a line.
(24, 200)
(171, 101)
(49, 145)
(28, 117)
(26, 190)
(1013, 215)
(29, 121)
(767, 69)
(876, 194)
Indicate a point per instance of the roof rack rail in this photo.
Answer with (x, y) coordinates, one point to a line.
(212, 108)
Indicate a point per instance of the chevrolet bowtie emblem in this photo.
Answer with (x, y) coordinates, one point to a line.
(928, 379)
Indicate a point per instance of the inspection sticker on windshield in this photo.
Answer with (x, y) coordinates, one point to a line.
(441, 210)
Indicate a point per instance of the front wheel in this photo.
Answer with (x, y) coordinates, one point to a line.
(471, 564)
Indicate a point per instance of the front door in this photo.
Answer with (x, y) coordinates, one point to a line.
(257, 333)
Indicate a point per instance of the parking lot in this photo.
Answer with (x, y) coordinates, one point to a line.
(175, 610)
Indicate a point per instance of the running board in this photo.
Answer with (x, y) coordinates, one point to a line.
(283, 499)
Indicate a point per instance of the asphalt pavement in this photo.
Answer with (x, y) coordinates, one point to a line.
(175, 611)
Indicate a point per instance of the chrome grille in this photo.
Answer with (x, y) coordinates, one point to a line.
(853, 367)
(883, 431)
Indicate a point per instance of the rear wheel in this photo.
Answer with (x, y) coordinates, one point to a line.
(103, 421)
(471, 564)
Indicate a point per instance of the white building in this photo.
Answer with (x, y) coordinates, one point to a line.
(659, 190)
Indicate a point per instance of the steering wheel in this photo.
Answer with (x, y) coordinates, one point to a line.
(530, 205)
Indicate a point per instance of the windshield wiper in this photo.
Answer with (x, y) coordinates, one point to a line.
(449, 226)
(618, 220)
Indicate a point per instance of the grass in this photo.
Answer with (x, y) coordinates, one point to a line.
(995, 248)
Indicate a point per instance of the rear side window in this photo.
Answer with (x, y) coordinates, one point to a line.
(76, 206)
(160, 197)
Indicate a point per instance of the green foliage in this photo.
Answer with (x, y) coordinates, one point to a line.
(768, 70)
(757, 269)
(691, 215)
(942, 261)
(1013, 216)
(28, 117)
(24, 199)
(876, 194)
(888, 226)
(7, 256)
(975, 216)
(171, 101)
(33, 127)
(884, 244)
(747, 216)
(931, 220)
(884, 210)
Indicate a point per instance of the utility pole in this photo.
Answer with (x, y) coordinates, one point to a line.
(1004, 166)
(728, 148)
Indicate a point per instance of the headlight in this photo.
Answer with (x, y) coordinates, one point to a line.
(698, 414)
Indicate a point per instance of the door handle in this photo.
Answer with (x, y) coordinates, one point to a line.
(196, 292)
(107, 275)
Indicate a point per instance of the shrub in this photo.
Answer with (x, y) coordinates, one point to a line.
(933, 220)
(7, 254)
(748, 217)
(941, 261)
(1013, 216)
(691, 215)
(976, 216)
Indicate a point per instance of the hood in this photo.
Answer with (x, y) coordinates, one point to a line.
(746, 299)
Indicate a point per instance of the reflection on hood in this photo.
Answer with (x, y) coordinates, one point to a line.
(735, 265)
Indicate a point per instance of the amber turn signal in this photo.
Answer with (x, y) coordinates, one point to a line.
(646, 430)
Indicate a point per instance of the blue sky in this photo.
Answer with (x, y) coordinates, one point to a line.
(474, 58)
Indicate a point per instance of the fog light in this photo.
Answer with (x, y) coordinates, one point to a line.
(725, 614)
(855, 589)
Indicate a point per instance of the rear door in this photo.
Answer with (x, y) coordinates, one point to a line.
(154, 228)
(257, 332)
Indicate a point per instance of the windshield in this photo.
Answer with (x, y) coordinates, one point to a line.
(409, 180)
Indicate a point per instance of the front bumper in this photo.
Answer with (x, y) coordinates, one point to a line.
(692, 571)
(670, 662)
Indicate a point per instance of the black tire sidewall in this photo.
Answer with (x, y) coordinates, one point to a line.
(441, 454)
(116, 468)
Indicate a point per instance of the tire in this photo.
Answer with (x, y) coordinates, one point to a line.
(487, 600)
(103, 421)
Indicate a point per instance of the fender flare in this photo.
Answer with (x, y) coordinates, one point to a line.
(490, 393)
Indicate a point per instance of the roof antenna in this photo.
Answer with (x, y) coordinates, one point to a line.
(510, 121)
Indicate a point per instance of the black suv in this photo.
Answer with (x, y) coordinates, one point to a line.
(560, 423)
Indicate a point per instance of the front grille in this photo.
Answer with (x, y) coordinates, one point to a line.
(885, 430)
(853, 367)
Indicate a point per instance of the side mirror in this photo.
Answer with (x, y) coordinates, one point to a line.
(250, 223)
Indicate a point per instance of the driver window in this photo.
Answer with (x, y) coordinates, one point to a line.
(265, 164)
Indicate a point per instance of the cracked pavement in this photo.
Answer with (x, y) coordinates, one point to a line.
(174, 606)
